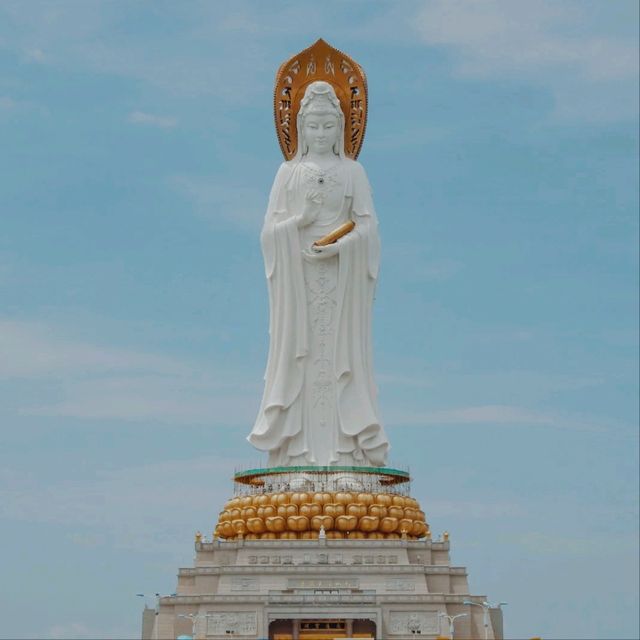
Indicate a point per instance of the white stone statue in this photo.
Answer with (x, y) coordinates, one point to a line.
(319, 404)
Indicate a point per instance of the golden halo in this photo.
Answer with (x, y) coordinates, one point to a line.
(320, 62)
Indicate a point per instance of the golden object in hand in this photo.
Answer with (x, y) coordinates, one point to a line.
(336, 234)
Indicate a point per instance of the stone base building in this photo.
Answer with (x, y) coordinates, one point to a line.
(322, 589)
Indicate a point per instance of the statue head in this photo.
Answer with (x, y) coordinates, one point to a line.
(320, 121)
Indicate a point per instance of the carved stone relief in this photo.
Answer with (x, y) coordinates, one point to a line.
(410, 622)
(245, 584)
(237, 624)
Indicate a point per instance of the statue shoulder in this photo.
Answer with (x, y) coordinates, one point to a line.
(285, 168)
(356, 169)
(358, 174)
(283, 175)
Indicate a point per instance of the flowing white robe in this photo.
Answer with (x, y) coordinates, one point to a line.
(319, 405)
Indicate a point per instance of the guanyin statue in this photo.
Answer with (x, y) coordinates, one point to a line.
(319, 405)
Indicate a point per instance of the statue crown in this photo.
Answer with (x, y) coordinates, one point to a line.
(320, 97)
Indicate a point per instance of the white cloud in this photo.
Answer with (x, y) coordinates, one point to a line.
(81, 631)
(537, 542)
(562, 46)
(162, 122)
(71, 630)
(537, 390)
(584, 53)
(11, 267)
(216, 200)
(496, 415)
(7, 103)
(472, 509)
(148, 508)
(81, 380)
(10, 107)
(498, 36)
(403, 380)
(35, 55)
(418, 262)
(88, 36)
(169, 399)
(33, 350)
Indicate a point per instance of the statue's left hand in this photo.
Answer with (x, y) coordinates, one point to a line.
(319, 253)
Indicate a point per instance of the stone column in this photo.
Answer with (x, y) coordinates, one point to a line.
(295, 629)
(349, 628)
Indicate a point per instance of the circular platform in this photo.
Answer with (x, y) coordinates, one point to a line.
(332, 477)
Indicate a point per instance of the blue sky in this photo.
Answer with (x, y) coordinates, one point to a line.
(137, 152)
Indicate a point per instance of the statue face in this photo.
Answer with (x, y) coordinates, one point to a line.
(321, 132)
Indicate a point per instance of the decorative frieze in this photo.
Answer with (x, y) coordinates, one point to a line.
(409, 569)
(323, 583)
(397, 584)
(322, 558)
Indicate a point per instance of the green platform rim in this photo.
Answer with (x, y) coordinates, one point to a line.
(392, 476)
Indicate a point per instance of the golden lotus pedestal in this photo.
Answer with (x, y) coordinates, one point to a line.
(303, 503)
(301, 553)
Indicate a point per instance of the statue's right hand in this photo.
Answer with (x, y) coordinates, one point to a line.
(312, 205)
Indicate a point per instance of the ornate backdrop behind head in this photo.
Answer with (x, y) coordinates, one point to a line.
(320, 62)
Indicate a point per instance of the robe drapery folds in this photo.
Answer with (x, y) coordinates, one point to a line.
(280, 426)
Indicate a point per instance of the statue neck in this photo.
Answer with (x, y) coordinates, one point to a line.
(322, 160)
